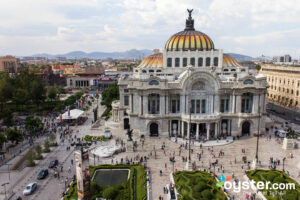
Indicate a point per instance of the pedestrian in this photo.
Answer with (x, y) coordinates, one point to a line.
(69, 170)
(71, 161)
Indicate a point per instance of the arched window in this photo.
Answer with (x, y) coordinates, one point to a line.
(207, 61)
(216, 61)
(184, 62)
(177, 62)
(151, 70)
(233, 70)
(192, 61)
(144, 71)
(169, 62)
(153, 103)
(153, 82)
(158, 70)
(200, 62)
(247, 102)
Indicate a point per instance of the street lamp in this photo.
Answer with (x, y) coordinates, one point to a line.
(283, 163)
(258, 131)
(189, 163)
(4, 185)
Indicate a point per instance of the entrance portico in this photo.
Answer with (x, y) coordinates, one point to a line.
(198, 130)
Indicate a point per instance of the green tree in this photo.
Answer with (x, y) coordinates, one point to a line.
(8, 118)
(6, 89)
(52, 137)
(110, 94)
(46, 146)
(38, 149)
(33, 125)
(52, 94)
(2, 140)
(37, 92)
(258, 67)
(20, 96)
(13, 135)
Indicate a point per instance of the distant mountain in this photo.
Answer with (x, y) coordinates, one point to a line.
(241, 57)
(126, 55)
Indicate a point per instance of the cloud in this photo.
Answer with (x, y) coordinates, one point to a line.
(58, 26)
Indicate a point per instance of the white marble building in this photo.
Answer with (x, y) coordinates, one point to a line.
(191, 88)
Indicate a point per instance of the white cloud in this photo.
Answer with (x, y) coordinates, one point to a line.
(58, 26)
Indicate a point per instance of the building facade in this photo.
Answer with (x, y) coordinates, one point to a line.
(284, 84)
(9, 64)
(191, 89)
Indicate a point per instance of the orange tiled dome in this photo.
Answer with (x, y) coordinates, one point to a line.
(189, 40)
(229, 61)
(153, 61)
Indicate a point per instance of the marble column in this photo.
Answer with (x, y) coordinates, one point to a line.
(182, 128)
(188, 130)
(207, 132)
(233, 104)
(216, 129)
(238, 103)
(197, 131)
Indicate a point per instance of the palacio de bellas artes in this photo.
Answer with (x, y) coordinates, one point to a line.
(191, 83)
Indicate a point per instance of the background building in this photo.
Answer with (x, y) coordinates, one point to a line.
(9, 64)
(284, 82)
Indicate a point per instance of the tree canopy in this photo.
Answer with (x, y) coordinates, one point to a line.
(110, 94)
(33, 125)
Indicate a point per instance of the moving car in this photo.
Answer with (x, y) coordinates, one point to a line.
(42, 174)
(53, 163)
(30, 188)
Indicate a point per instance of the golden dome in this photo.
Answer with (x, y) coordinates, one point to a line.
(189, 39)
(229, 61)
(153, 61)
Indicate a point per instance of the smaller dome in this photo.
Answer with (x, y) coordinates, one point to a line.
(229, 61)
(153, 61)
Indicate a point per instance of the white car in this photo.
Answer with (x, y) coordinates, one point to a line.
(30, 188)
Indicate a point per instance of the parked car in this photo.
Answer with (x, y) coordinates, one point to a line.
(53, 163)
(30, 188)
(42, 174)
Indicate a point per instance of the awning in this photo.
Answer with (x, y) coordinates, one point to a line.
(74, 114)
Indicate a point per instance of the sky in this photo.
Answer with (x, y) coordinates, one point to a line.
(250, 27)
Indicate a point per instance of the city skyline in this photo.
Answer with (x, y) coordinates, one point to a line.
(57, 27)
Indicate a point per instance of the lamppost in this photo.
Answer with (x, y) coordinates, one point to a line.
(255, 162)
(4, 185)
(8, 169)
(189, 163)
(283, 163)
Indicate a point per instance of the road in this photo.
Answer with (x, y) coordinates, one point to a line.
(50, 188)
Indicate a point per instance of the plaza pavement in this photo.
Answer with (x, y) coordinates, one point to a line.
(51, 188)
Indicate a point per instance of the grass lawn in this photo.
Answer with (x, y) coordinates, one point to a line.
(197, 185)
(132, 189)
(276, 176)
